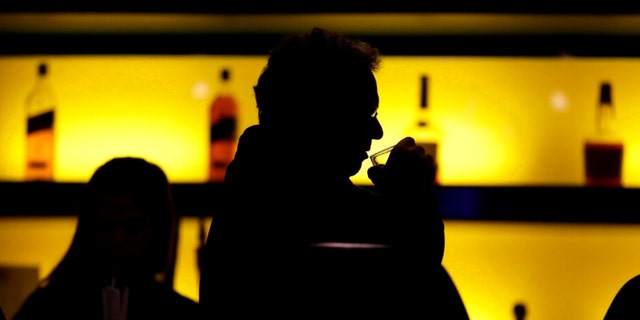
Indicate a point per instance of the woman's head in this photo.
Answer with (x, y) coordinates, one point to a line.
(126, 224)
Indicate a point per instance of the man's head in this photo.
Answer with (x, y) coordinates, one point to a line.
(319, 88)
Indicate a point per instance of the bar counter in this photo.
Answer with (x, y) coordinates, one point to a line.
(474, 203)
(562, 252)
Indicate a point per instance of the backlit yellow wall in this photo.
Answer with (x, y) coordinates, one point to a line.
(504, 121)
(559, 271)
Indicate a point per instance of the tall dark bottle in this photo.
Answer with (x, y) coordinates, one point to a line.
(604, 149)
(223, 122)
(40, 110)
(424, 129)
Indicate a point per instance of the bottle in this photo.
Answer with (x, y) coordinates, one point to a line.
(603, 151)
(519, 311)
(223, 122)
(40, 110)
(424, 129)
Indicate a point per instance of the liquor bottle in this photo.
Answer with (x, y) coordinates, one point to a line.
(519, 311)
(40, 110)
(603, 151)
(223, 122)
(424, 130)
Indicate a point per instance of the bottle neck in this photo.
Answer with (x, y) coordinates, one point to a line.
(224, 89)
(41, 98)
(606, 120)
(424, 117)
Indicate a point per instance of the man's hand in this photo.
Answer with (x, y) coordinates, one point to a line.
(409, 169)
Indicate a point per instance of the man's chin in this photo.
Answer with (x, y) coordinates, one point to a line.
(355, 169)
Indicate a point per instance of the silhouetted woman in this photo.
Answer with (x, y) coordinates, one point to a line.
(121, 259)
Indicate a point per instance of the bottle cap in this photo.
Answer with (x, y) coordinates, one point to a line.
(605, 93)
(42, 69)
(225, 74)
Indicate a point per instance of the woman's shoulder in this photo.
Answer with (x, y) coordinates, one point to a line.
(158, 301)
(168, 296)
(38, 303)
(185, 307)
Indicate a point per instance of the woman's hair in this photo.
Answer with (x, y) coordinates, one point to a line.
(148, 186)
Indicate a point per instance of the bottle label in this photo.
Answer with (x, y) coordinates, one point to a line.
(221, 154)
(430, 148)
(223, 130)
(222, 136)
(40, 147)
(42, 121)
(603, 164)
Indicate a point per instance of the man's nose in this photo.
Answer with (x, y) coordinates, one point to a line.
(376, 129)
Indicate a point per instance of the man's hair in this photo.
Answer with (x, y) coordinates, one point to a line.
(307, 71)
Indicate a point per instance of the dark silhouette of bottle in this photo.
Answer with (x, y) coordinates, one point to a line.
(519, 311)
(424, 129)
(603, 151)
(223, 122)
(40, 110)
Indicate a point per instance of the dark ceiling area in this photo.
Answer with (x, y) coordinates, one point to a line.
(327, 6)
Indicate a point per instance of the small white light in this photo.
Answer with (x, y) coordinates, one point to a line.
(200, 90)
(559, 101)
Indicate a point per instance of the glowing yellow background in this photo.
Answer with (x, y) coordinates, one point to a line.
(504, 121)
(559, 271)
